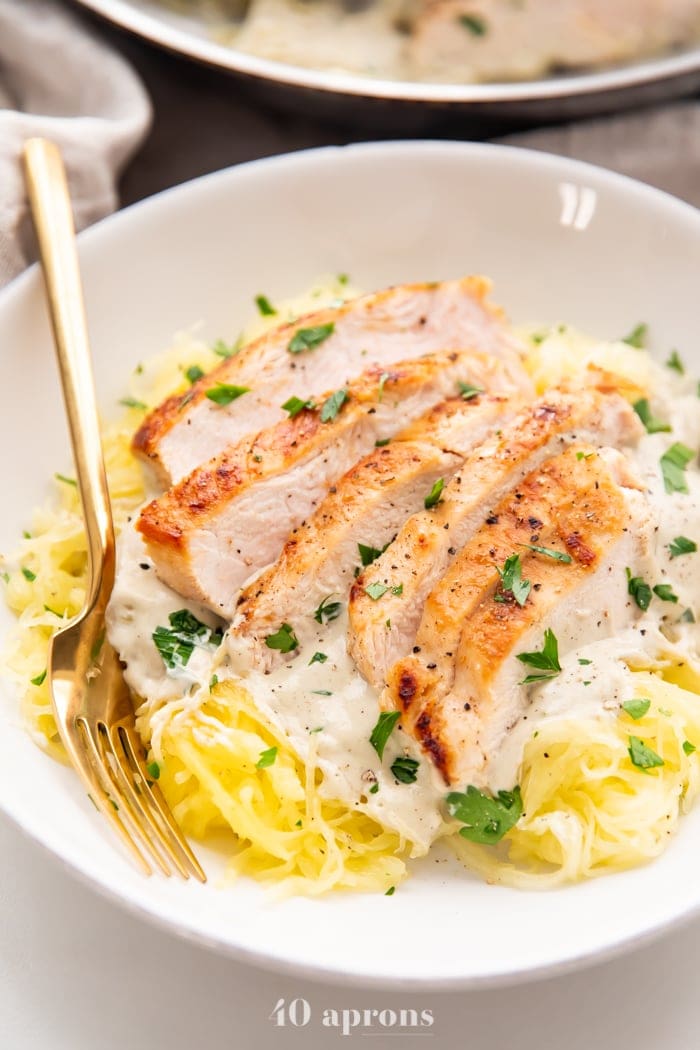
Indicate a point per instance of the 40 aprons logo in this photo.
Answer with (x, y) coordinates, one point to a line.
(297, 1013)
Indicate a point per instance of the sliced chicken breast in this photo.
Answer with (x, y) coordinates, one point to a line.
(463, 685)
(360, 515)
(317, 353)
(231, 517)
(380, 632)
(475, 40)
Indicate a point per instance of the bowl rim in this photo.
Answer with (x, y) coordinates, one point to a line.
(162, 33)
(31, 825)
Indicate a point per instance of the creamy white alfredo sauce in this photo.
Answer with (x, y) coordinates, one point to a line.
(327, 711)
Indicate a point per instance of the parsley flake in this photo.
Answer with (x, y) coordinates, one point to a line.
(28, 574)
(295, 405)
(511, 579)
(153, 770)
(549, 553)
(642, 756)
(546, 661)
(405, 770)
(383, 730)
(194, 372)
(688, 748)
(673, 464)
(267, 758)
(284, 640)
(475, 24)
(177, 642)
(376, 590)
(681, 545)
(66, 481)
(225, 393)
(132, 402)
(664, 591)
(309, 338)
(435, 495)
(265, 306)
(636, 709)
(468, 392)
(333, 404)
(637, 337)
(370, 554)
(638, 589)
(674, 362)
(39, 679)
(318, 658)
(651, 423)
(485, 818)
(328, 610)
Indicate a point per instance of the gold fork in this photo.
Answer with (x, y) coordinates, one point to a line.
(91, 702)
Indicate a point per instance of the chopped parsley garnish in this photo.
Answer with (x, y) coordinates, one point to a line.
(642, 756)
(309, 338)
(382, 443)
(225, 393)
(267, 758)
(664, 591)
(153, 770)
(342, 278)
(383, 730)
(28, 574)
(638, 589)
(295, 405)
(512, 580)
(688, 748)
(584, 663)
(370, 554)
(637, 337)
(328, 610)
(214, 680)
(405, 770)
(318, 658)
(688, 616)
(265, 306)
(376, 590)
(39, 679)
(222, 349)
(375, 788)
(194, 372)
(435, 495)
(333, 404)
(476, 25)
(675, 362)
(673, 464)
(177, 642)
(322, 692)
(557, 555)
(66, 481)
(681, 545)
(485, 818)
(390, 892)
(284, 639)
(546, 661)
(584, 455)
(132, 402)
(652, 424)
(467, 391)
(636, 709)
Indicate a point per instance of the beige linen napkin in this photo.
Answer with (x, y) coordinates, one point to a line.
(660, 146)
(59, 81)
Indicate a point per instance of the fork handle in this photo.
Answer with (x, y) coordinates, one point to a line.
(50, 204)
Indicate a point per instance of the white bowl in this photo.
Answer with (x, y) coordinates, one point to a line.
(562, 241)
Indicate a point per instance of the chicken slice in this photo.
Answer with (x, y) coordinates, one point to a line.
(393, 325)
(360, 515)
(480, 40)
(463, 686)
(428, 541)
(231, 516)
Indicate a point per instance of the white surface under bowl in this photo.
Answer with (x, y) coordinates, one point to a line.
(561, 241)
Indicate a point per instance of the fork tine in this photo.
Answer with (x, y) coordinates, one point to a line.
(135, 784)
(89, 767)
(124, 791)
(158, 804)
